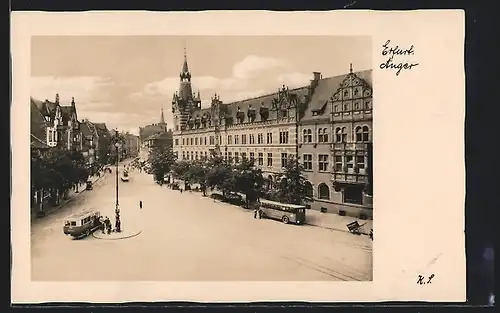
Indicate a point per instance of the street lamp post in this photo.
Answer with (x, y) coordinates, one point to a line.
(117, 206)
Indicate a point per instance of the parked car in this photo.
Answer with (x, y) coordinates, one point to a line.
(83, 223)
(89, 185)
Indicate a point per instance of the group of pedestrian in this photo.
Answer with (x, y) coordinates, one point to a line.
(106, 222)
(256, 214)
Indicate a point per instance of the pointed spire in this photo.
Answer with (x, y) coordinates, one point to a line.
(162, 117)
(199, 94)
(185, 68)
(73, 101)
(350, 68)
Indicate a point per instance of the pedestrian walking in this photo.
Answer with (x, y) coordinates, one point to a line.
(255, 213)
(140, 204)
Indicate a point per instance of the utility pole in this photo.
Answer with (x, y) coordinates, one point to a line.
(117, 207)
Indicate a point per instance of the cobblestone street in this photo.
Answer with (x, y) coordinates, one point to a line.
(186, 237)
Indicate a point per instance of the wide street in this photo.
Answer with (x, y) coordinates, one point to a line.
(187, 237)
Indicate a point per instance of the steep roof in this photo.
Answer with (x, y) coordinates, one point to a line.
(37, 121)
(101, 128)
(256, 103)
(327, 87)
(47, 108)
(66, 113)
(85, 129)
(149, 130)
(161, 136)
(38, 143)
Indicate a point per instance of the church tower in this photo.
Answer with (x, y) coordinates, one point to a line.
(162, 122)
(184, 102)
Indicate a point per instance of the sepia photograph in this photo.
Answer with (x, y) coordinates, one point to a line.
(201, 158)
(207, 157)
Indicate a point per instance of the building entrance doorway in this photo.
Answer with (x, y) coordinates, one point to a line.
(353, 194)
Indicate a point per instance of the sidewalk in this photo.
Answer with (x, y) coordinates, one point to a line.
(330, 220)
(73, 194)
(335, 221)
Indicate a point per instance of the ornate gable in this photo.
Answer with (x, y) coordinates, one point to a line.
(352, 87)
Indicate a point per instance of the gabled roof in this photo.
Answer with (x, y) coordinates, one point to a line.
(86, 130)
(37, 143)
(327, 87)
(101, 129)
(161, 136)
(66, 112)
(46, 108)
(37, 121)
(149, 130)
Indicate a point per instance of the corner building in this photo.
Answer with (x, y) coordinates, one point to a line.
(288, 123)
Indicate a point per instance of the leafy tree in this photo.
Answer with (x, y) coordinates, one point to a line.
(292, 184)
(248, 180)
(196, 172)
(180, 169)
(160, 161)
(221, 176)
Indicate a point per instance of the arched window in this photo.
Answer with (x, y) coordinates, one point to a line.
(323, 191)
(359, 134)
(366, 133)
(269, 182)
(308, 189)
(344, 134)
(338, 134)
(325, 135)
(307, 135)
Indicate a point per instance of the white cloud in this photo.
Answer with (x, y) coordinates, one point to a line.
(113, 119)
(252, 65)
(94, 106)
(247, 94)
(253, 76)
(294, 79)
(81, 88)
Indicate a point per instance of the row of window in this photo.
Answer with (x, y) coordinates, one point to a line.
(337, 108)
(322, 162)
(236, 139)
(362, 134)
(198, 141)
(347, 164)
(237, 157)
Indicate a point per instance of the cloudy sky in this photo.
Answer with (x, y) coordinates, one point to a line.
(125, 80)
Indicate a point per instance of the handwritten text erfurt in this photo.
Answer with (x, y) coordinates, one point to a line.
(396, 51)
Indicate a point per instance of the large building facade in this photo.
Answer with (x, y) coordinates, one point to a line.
(326, 124)
(335, 145)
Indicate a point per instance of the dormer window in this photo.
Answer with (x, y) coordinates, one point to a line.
(284, 113)
(264, 113)
(251, 114)
(240, 116)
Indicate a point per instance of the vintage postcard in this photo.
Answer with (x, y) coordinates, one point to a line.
(206, 157)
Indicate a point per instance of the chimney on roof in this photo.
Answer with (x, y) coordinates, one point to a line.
(317, 76)
(314, 83)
